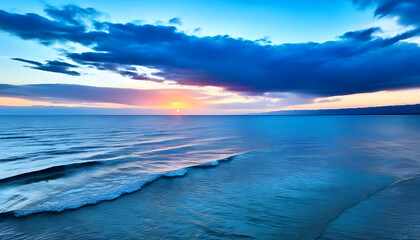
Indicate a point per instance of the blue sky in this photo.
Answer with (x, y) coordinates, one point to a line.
(313, 54)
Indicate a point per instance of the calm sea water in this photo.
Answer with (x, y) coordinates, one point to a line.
(210, 177)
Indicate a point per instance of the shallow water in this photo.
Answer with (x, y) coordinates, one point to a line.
(292, 177)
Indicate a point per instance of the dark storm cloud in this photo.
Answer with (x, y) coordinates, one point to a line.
(175, 21)
(72, 14)
(331, 68)
(355, 63)
(361, 35)
(407, 11)
(46, 31)
(51, 66)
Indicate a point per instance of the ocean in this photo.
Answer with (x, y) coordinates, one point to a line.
(210, 177)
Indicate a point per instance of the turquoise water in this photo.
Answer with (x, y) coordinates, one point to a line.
(210, 177)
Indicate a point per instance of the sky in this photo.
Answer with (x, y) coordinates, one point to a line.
(207, 57)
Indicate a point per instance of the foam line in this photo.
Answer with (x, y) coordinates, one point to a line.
(130, 189)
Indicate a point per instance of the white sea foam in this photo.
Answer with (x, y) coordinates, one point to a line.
(176, 173)
(209, 164)
(93, 192)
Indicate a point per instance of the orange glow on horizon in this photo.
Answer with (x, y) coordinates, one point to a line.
(176, 101)
(374, 99)
(177, 105)
(21, 102)
(159, 101)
